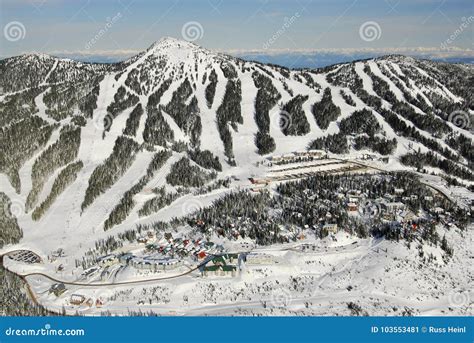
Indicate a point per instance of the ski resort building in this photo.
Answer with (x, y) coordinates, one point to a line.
(259, 258)
(219, 270)
(155, 263)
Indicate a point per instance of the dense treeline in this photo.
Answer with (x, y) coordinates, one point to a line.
(419, 160)
(161, 200)
(122, 101)
(106, 174)
(360, 122)
(205, 159)
(402, 129)
(60, 101)
(293, 120)
(210, 91)
(126, 204)
(325, 111)
(157, 131)
(464, 145)
(65, 177)
(11, 231)
(88, 103)
(185, 115)
(16, 107)
(229, 112)
(267, 97)
(183, 173)
(133, 81)
(19, 142)
(133, 121)
(59, 154)
(347, 98)
(15, 302)
(335, 143)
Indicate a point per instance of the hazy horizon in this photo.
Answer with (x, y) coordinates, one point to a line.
(290, 59)
(318, 32)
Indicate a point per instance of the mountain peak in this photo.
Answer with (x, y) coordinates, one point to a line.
(171, 42)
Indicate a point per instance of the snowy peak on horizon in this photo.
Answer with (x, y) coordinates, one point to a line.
(171, 42)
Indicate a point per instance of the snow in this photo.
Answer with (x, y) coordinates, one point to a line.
(383, 274)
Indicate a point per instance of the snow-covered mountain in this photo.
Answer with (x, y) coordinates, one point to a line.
(76, 137)
(90, 151)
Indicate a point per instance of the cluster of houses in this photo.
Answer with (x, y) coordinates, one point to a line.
(162, 254)
(199, 249)
(392, 207)
(155, 262)
(75, 299)
(79, 299)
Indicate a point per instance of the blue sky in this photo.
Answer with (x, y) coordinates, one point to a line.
(67, 27)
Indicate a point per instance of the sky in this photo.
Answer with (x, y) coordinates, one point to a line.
(109, 30)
